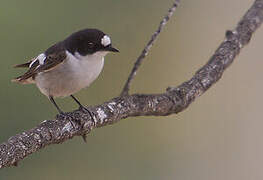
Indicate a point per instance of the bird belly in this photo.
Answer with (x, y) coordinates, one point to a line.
(69, 77)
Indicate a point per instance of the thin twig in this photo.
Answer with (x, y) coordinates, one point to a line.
(126, 88)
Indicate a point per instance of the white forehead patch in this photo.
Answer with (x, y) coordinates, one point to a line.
(105, 41)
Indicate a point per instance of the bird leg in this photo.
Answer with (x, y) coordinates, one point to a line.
(84, 136)
(61, 113)
(81, 106)
(55, 104)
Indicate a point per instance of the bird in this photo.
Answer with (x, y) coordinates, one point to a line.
(68, 66)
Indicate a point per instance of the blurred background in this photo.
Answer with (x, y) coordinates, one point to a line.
(218, 137)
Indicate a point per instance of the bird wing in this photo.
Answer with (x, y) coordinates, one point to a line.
(25, 65)
(40, 64)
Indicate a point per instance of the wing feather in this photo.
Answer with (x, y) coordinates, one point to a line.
(24, 65)
(50, 62)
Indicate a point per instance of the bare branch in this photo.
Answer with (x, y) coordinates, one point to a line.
(138, 62)
(174, 100)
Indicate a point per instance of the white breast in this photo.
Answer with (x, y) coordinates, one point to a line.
(75, 73)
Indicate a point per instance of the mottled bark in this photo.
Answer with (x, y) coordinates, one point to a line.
(174, 100)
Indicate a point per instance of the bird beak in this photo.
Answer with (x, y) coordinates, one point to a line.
(111, 49)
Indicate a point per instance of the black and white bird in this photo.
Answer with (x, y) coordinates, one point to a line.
(69, 65)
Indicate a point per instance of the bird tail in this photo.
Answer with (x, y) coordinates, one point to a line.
(21, 80)
(26, 78)
(25, 65)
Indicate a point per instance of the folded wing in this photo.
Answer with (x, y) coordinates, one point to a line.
(40, 64)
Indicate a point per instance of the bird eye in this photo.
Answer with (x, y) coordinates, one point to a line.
(90, 45)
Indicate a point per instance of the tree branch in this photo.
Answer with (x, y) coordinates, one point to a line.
(147, 48)
(174, 100)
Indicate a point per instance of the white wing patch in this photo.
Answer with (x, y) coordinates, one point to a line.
(40, 58)
(105, 41)
(32, 62)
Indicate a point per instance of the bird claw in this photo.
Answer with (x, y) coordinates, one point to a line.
(62, 115)
(65, 116)
(83, 108)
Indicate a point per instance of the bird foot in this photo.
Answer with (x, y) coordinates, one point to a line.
(83, 108)
(62, 116)
(66, 116)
